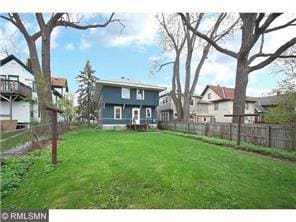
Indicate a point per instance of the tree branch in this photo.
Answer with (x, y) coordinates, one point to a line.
(205, 37)
(164, 64)
(272, 56)
(40, 20)
(84, 27)
(290, 23)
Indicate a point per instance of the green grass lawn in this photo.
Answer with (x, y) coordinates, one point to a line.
(110, 169)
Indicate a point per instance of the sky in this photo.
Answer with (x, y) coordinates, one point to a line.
(115, 52)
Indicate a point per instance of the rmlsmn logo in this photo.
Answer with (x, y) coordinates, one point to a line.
(24, 215)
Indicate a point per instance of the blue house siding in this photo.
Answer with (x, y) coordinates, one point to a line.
(112, 94)
(108, 114)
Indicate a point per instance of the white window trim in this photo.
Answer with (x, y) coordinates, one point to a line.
(150, 113)
(143, 94)
(129, 93)
(115, 107)
(193, 104)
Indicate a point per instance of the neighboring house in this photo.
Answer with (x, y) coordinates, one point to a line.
(59, 88)
(123, 102)
(19, 100)
(221, 103)
(263, 104)
(198, 109)
(18, 94)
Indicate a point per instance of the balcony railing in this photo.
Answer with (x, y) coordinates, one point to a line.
(15, 87)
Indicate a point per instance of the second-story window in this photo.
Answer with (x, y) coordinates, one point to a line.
(209, 95)
(246, 106)
(192, 102)
(13, 78)
(216, 106)
(140, 94)
(125, 93)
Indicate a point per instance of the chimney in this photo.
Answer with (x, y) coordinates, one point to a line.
(29, 63)
(278, 92)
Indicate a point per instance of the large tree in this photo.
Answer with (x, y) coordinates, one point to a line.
(254, 28)
(86, 90)
(177, 38)
(41, 66)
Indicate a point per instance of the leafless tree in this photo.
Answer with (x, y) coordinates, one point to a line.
(41, 66)
(254, 26)
(178, 37)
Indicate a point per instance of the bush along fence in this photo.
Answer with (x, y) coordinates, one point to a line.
(18, 142)
(282, 137)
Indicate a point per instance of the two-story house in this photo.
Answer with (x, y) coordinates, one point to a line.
(221, 103)
(18, 94)
(122, 102)
(198, 109)
(19, 100)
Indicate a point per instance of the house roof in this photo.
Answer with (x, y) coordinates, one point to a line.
(59, 83)
(225, 93)
(12, 57)
(127, 82)
(263, 102)
(166, 93)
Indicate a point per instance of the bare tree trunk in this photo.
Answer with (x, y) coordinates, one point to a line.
(241, 82)
(46, 93)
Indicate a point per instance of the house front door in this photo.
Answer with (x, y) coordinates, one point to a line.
(136, 115)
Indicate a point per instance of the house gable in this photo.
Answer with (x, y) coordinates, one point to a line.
(12, 57)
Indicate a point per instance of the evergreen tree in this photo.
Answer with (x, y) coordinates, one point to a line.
(86, 101)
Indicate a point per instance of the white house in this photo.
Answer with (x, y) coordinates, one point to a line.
(19, 100)
(220, 100)
(198, 109)
(18, 92)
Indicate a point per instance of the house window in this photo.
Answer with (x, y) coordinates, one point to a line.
(192, 102)
(209, 95)
(165, 116)
(148, 113)
(117, 112)
(2, 77)
(246, 106)
(205, 119)
(140, 94)
(216, 106)
(13, 78)
(125, 93)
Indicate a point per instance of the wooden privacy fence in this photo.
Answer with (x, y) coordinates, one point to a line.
(260, 134)
(20, 141)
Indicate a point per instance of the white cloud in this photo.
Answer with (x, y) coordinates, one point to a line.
(85, 44)
(54, 37)
(70, 47)
(11, 40)
(140, 31)
(257, 92)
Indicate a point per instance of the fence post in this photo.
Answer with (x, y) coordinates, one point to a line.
(230, 131)
(268, 139)
(33, 141)
(206, 129)
(175, 125)
(188, 127)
